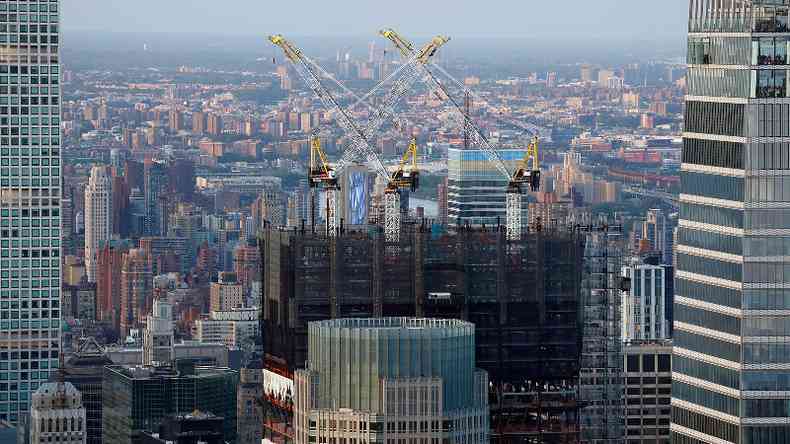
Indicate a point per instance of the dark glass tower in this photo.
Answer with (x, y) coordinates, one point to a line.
(731, 360)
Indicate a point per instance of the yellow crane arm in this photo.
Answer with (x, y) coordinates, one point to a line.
(532, 152)
(290, 50)
(411, 152)
(316, 150)
(404, 46)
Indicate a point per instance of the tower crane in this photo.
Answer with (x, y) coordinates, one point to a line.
(516, 180)
(321, 173)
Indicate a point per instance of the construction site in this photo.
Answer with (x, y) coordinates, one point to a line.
(522, 296)
(540, 296)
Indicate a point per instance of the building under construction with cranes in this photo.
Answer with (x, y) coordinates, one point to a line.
(522, 296)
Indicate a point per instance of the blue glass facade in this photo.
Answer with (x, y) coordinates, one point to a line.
(476, 188)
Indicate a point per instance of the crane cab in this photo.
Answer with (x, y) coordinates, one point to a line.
(320, 173)
(526, 175)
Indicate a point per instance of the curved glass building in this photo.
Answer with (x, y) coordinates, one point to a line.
(391, 378)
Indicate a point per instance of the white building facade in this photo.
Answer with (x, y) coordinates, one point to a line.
(57, 415)
(98, 216)
(644, 306)
(158, 338)
(232, 328)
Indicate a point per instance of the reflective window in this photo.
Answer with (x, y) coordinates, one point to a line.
(769, 51)
(707, 346)
(766, 299)
(708, 293)
(766, 380)
(705, 424)
(773, 434)
(713, 153)
(770, 83)
(767, 246)
(725, 217)
(710, 241)
(708, 372)
(726, 119)
(719, 50)
(711, 185)
(770, 19)
(707, 319)
(766, 353)
(719, 82)
(705, 398)
(770, 156)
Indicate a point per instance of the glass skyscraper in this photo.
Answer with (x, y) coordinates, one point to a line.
(731, 360)
(475, 187)
(29, 200)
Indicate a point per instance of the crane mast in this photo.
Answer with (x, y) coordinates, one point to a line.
(360, 145)
(321, 175)
(514, 194)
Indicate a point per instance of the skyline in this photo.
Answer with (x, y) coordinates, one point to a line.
(506, 19)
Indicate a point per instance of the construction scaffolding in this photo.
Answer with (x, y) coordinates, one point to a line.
(601, 390)
(522, 296)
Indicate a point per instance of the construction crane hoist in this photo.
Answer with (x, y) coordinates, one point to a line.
(322, 174)
(516, 180)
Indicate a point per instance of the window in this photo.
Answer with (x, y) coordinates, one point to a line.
(632, 363)
(769, 51)
(648, 363)
(664, 363)
(770, 83)
(770, 19)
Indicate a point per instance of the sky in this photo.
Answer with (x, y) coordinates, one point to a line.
(541, 20)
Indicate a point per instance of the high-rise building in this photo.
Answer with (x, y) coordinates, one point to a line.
(655, 230)
(57, 415)
(644, 313)
(158, 338)
(84, 370)
(529, 290)
(601, 390)
(648, 385)
(247, 263)
(194, 428)
(139, 398)
(441, 193)
(98, 216)
(731, 351)
(108, 282)
(214, 125)
(136, 289)
(30, 199)
(249, 428)
(476, 188)
(389, 382)
(176, 122)
(603, 77)
(226, 294)
(156, 183)
(587, 73)
(198, 122)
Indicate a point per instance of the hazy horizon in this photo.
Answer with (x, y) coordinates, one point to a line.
(562, 20)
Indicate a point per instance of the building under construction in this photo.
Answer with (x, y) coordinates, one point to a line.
(523, 296)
